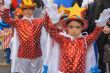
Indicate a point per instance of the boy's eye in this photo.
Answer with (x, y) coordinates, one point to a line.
(78, 27)
(70, 26)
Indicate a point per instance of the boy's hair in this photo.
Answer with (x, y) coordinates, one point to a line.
(108, 24)
(79, 21)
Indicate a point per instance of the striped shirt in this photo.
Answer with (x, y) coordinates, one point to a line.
(7, 37)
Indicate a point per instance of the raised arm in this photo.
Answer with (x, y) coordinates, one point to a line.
(53, 31)
(93, 36)
(6, 14)
(8, 19)
(101, 22)
(51, 18)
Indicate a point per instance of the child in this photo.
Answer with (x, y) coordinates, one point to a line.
(29, 32)
(6, 33)
(72, 43)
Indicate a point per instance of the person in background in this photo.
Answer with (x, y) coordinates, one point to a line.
(6, 43)
(106, 48)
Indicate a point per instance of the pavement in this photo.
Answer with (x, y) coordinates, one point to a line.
(2, 59)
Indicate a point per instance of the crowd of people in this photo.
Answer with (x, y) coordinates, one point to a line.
(55, 36)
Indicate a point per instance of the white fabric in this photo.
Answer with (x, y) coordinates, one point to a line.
(7, 3)
(30, 66)
(0, 20)
(90, 59)
(47, 1)
(43, 42)
(54, 57)
(52, 10)
(85, 3)
(60, 72)
(51, 58)
(105, 15)
(14, 51)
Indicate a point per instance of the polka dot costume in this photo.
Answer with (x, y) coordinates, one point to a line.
(73, 52)
(29, 32)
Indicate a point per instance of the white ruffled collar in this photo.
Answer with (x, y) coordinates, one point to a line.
(69, 36)
(32, 17)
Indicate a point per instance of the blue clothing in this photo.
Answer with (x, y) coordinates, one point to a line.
(66, 3)
(8, 52)
(4, 25)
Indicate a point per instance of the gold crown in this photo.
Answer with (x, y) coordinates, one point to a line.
(27, 4)
(73, 11)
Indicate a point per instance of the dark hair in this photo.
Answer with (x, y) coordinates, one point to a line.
(20, 16)
(79, 21)
(39, 3)
(108, 23)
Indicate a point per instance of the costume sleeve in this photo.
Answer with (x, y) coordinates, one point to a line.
(93, 36)
(7, 18)
(53, 31)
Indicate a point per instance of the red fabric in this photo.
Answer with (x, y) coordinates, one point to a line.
(73, 52)
(14, 3)
(29, 35)
(1, 8)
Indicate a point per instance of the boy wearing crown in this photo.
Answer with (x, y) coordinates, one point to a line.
(73, 45)
(29, 32)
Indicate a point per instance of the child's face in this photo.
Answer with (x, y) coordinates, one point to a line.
(74, 28)
(28, 12)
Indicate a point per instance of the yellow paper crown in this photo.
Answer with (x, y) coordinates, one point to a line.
(73, 11)
(27, 3)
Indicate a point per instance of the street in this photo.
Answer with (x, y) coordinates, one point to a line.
(3, 69)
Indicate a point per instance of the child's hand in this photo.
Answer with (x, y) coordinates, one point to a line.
(106, 30)
(7, 3)
(52, 10)
(105, 15)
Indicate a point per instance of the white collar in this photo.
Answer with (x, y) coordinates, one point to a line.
(69, 36)
(32, 17)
